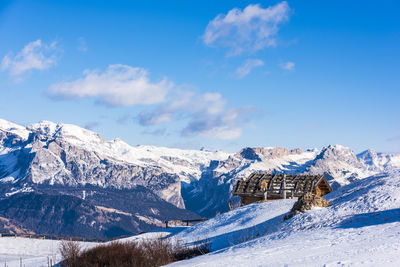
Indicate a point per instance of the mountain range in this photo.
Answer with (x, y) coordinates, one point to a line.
(62, 179)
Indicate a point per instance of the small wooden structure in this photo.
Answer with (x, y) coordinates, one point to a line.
(264, 186)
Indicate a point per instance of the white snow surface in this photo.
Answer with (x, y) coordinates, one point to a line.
(32, 252)
(19, 130)
(236, 226)
(360, 228)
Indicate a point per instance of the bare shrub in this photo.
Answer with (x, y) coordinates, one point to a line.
(70, 251)
(147, 253)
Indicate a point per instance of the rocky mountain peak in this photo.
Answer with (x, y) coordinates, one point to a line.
(338, 153)
(68, 132)
(13, 130)
(368, 156)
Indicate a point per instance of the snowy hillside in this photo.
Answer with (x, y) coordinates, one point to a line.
(236, 226)
(361, 227)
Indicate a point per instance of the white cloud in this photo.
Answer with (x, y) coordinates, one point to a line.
(34, 56)
(118, 85)
(152, 118)
(206, 115)
(223, 125)
(248, 65)
(287, 65)
(251, 29)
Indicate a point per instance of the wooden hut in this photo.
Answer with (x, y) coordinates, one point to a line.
(263, 186)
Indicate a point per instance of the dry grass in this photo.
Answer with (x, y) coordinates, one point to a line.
(149, 253)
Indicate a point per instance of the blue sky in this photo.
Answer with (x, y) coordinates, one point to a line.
(218, 74)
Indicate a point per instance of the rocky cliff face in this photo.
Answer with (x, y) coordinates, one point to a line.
(62, 159)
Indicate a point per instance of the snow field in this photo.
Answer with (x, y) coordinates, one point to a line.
(33, 252)
(236, 226)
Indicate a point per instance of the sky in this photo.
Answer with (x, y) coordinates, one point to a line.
(214, 74)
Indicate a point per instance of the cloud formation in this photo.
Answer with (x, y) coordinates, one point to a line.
(251, 29)
(118, 85)
(287, 65)
(248, 65)
(206, 115)
(34, 56)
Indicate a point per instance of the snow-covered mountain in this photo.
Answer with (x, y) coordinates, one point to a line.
(62, 158)
(378, 161)
(65, 154)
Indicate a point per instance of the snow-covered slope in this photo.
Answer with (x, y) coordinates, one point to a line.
(236, 226)
(361, 227)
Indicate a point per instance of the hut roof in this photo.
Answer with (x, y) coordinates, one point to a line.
(257, 183)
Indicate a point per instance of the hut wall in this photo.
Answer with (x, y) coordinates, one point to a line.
(318, 191)
(321, 190)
